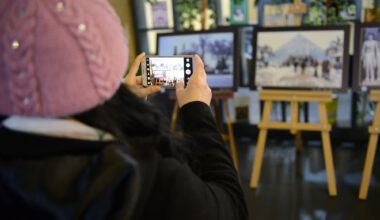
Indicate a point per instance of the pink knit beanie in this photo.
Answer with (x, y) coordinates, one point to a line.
(58, 57)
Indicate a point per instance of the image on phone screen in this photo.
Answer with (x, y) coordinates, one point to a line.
(167, 71)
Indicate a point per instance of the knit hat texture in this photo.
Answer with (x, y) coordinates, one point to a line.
(59, 57)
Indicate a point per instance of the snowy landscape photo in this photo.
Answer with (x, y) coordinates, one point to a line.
(300, 59)
(215, 48)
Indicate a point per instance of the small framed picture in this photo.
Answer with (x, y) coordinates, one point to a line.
(366, 73)
(308, 57)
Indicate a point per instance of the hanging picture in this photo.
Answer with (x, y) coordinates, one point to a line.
(367, 56)
(301, 57)
(239, 12)
(333, 12)
(160, 15)
(348, 10)
(188, 15)
(277, 16)
(286, 14)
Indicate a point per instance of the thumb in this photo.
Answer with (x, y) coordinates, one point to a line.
(154, 89)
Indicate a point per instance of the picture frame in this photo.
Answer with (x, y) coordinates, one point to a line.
(158, 14)
(366, 71)
(239, 12)
(246, 51)
(218, 49)
(305, 57)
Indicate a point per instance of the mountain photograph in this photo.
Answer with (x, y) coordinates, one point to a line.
(299, 59)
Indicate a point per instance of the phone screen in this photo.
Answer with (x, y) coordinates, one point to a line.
(167, 71)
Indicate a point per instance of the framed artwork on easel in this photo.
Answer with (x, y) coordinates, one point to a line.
(367, 57)
(307, 57)
(217, 48)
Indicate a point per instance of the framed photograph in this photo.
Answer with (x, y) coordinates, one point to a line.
(217, 48)
(367, 56)
(246, 51)
(160, 15)
(301, 57)
(286, 14)
(155, 14)
(239, 12)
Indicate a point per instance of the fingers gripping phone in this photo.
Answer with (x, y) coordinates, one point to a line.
(166, 71)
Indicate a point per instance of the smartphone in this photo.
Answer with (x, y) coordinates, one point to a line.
(166, 71)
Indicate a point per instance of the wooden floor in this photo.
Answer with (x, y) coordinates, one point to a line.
(293, 185)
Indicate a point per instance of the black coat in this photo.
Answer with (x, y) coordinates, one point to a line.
(55, 178)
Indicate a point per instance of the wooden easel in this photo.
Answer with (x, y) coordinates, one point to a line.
(295, 127)
(374, 131)
(217, 97)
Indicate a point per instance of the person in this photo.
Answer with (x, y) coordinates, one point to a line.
(295, 64)
(326, 66)
(303, 65)
(369, 57)
(77, 142)
(315, 65)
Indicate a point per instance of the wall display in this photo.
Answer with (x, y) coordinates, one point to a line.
(367, 56)
(188, 14)
(370, 11)
(286, 14)
(321, 12)
(277, 15)
(348, 10)
(301, 57)
(218, 50)
(239, 12)
(160, 15)
(226, 10)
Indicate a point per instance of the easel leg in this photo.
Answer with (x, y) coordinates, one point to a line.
(294, 120)
(256, 169)
(371, 151)
(231, 136)
(174, 116)
(298, 140)
(218, 115)
(327, 151)
(368, 166)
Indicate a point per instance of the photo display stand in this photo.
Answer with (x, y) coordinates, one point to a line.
(374, 131)
(220, 105)
(295, 97)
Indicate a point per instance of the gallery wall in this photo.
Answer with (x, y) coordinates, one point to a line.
(124, 10)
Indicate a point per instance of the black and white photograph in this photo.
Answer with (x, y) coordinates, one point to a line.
(217, 50)
(246, 37)
(367, 57)
(301, 58)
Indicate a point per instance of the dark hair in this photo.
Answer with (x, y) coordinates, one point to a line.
(2, 118)
(138, 124)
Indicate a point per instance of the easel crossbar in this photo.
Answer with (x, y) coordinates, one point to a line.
(374, 95)
(298, 96)
(294, 127)
(374, 130)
